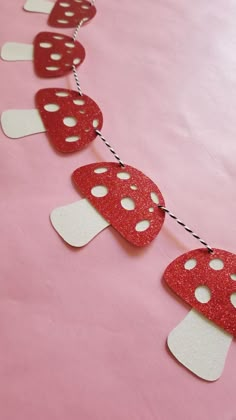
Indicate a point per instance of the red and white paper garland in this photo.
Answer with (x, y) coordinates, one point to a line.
(119, 195)
(207, 282)
(124, 198)
(63, 13)
(52, 53)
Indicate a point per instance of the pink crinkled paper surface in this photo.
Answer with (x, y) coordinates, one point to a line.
(83, 331)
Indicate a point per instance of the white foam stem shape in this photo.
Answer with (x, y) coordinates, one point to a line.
(41, 6)
(78, 223)
(200, 345)
(14, 51)
(20, 123)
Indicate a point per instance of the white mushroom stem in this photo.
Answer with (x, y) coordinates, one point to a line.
(200, 346)
(19, 123)
(78, 223)
(41, 6)
(14, 51)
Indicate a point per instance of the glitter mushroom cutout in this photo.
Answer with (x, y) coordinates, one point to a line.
(53, 54)
(63, 13)
(122, 197)
(207, 282)
(70, 120)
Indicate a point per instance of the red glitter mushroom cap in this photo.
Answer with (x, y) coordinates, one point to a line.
(70, 119)
(125, 197)
(69, 13)
(215, 271)
(55, 53)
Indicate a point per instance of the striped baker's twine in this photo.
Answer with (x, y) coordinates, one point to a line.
(77, 80)
(186, 227)
(123, 166)
(118, 158)
(92, 2)
(77, 29)
(110, 148)
(74, 36)
(97, 131)
(80, 24)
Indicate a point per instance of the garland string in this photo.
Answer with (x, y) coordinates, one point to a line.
(121, 163)
(77, 29)
(210, 249)
(77, 80)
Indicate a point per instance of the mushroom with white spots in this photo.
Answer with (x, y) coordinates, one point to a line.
(207, 282)
(69, 119)
(122, 197)
(63, 13)
(53, 54)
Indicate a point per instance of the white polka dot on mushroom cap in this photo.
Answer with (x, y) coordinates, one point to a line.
(95, 123)
(78, 101)
(216, 264)
(233, 299)
(72, 139)
(70, 121)
(70, 44)
(62, 94)
(101, 170)
(51, 107)
(190, 264)
(203, 294)
(128, 203)
(154, 198)
(123, 175)
(45, 44)
(52, 68)
(99, 191)
(55, 57)
(142, 225)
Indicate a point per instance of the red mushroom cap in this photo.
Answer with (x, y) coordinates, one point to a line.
(54, 54)
(217, 272)
(69, 13)
(70, 119)
(128, 200)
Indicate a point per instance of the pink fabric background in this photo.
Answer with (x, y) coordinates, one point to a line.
(83, 332)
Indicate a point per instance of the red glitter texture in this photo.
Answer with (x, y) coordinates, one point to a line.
(48, 45)
(69, 13)
(138, 187)
(70, 105)
(184, 282)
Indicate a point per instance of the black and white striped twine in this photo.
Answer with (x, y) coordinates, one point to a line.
(92, 2)
(73, 66)
(210, 249)
(77, 30)
(77, 80)
(97, 131)
(186, 227)
(121, 163)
